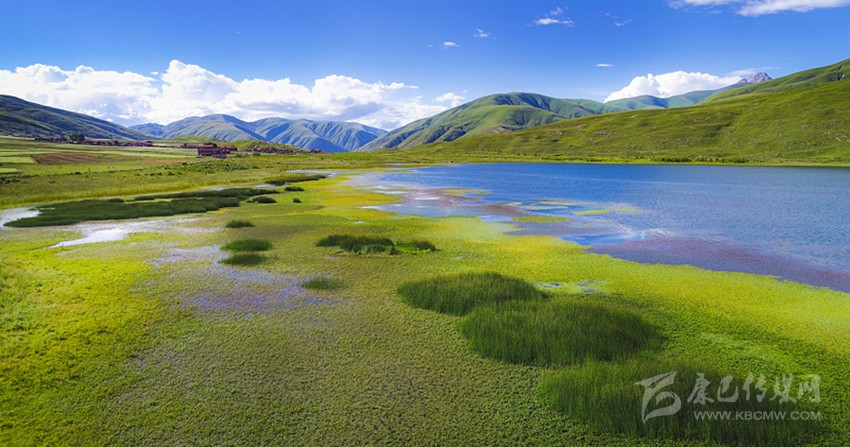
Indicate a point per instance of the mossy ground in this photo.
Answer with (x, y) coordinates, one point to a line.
(150, 341)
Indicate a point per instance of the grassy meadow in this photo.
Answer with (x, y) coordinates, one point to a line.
(159, 340)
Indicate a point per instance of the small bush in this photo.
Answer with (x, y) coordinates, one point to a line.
(296, 200)
(263, 199)
(248, 245)
(293, 188)
(244, 259)
(239, 224)
(554, 333)
(323, 283)
(609, 397)
(459, 294)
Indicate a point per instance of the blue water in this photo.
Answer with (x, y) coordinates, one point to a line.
(788, 222)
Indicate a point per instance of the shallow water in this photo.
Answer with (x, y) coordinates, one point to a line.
(13, 214)
(786, 222)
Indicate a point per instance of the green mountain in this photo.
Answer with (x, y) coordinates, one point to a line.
(685, 100)
(329, 136)
(489, 115)
(27, 119)
(807, 125)
(796, 81)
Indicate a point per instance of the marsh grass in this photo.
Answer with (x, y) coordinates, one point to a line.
(609, 397)
(459, 294)
(293, 189)
(357, 244)
(323, 283)
(239, 193)
(263, 200)
(69, 213)
(296, 178)
(296, 200)
(248, 245)
(555, 333)
(239, 224)
(244, 259)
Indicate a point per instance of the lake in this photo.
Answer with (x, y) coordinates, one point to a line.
(793, 223)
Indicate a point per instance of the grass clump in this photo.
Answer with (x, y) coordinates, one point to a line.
(296, 178)
(323, 283)
(293, 188)
(69, 213)
(358, 244)
(248, 245)
(237, 193)
(244, 259)
(459, 294)
(610, 397)
(239, 224)
(548, 333)
(296, 200)
(414, 247)
(263, 199)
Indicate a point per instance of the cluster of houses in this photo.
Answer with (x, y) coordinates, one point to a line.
(274, 150)
(211, 150)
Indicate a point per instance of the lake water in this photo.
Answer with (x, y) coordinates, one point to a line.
(791, 223)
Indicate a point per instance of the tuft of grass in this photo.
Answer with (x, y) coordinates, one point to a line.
(248, 245)
(323, 283)
(550, 333)
(293, 188)
(296, 200)
(459, 294)
(609, 397)
(244, 259)
(358, 244)
(263, 199)
(413, 247)
(296, 178)
(239, 224)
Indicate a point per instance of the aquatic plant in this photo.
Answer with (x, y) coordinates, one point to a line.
(244, 259)
(239, 224)
(459, 294)
(248, 245)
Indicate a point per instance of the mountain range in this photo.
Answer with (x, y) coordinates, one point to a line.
(329, 136)
(513, 111)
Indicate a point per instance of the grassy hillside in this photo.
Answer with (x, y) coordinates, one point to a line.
(329, 136)
(27, 119)
(489, 115)
(802, 126)
(796, 81)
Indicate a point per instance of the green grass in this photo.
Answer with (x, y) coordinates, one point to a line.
(460, 294)
(239, 224)
(237, 193)
(69, 213)
(358, 244)
(323, 283)
(248, 245)
(293, 188)
(296, 200)
(263, 200)
(296, 178)
(609, 398)
(555, 333)
(244, 259)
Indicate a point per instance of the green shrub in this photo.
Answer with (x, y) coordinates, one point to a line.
(548, 333)
(323, 283)
(248, 245)
(293, 188)
(610, 398)
(239, 224)
(459, 294)
(263, 199)
(244, 259)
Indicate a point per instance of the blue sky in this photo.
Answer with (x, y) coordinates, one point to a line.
(385, 63)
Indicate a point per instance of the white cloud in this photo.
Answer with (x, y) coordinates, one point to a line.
(746, 72)
(555, 17)
(190, 90)
(449, 44)
(452, 99)
(622, 23)
(671, 84)
(605, 65)
(762, 7)
(481, 34)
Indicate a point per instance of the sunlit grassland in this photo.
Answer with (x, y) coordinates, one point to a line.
(151, 341)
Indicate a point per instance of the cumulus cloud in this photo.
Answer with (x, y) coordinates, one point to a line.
(449, 44)
(671, 84)
(450, 98)
(762, 7)
(555, 17)
(185, 90)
